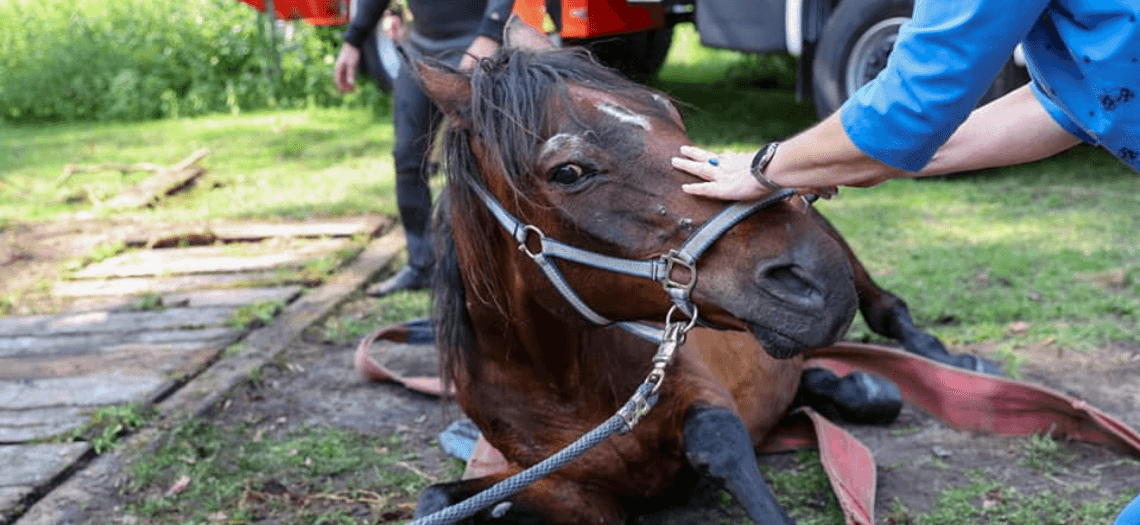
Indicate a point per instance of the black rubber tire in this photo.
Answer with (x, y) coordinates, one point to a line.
(638, 56)
(854, 46)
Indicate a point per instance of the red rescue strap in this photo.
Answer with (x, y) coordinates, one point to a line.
(962, 399)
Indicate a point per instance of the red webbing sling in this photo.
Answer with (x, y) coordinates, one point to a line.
(962, 399)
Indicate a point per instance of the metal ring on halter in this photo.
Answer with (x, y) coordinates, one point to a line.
(692, 320)
(527, 229)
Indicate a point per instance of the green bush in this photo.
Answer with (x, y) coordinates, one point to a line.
(63, 60)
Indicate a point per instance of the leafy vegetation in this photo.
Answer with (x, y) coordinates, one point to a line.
(109, 424)
(256, 314)
(133, 59)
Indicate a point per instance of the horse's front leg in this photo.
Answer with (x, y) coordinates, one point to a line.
(717, 445)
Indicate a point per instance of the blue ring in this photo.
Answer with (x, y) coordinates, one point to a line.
(714, 162)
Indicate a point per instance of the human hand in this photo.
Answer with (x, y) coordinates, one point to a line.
(729, 178)
(345, 69)
(481, 47)
(393, 25)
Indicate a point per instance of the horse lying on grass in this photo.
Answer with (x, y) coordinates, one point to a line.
(570, 151)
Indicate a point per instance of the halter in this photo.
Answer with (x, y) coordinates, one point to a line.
(659, 269)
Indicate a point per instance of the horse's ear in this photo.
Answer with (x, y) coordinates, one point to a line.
(519, 34)
(450, 90)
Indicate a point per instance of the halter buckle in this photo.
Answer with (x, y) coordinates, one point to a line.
(525, 233)
(673, 259)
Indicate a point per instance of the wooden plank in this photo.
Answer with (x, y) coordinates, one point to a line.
(114, 322)
(133, 286)
(261, 345)
(212, 259)
(39, 423)
(34, 465)
(164, 182)
(151, 189)
(108, 342)
(88, 391)
(193, 299)
(196, 235)
(166, 360)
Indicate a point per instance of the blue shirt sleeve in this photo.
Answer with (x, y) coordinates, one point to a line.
(1059, 114)
(943, 61)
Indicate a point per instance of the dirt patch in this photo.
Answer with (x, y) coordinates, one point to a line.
(35, 254)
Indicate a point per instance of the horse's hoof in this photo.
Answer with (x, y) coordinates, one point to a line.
(858, 397)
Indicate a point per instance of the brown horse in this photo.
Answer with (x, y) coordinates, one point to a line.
(579, 154)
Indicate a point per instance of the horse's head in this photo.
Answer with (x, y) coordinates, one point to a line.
(583, 155)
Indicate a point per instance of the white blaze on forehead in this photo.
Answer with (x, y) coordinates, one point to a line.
(562, 142)
(624, 115)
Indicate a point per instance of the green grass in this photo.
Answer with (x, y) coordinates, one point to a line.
(299, 164)
(204, 472)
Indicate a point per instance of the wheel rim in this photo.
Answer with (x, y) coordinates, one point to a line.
(870, 52)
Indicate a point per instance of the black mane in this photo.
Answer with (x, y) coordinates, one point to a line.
(512, 93)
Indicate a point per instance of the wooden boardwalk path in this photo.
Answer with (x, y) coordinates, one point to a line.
(139, 326)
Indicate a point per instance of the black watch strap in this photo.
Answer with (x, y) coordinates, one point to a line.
(760, 163)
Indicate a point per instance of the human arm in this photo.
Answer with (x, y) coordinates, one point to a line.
(940, 66)
(364, 20)
(1011, 130)
(490, 35)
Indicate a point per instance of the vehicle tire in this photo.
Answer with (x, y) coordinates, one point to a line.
(855, 44)
(638, 56)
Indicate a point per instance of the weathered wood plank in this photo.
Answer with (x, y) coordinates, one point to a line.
(195, 299)
(29, 466)
(120, 322)
(164, 182)
(370, 225)
(96, 390)
(108, 342)
(39, 423)
(169, 360)
(212, 259)
(132, 286)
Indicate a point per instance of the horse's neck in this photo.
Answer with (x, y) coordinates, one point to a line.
(569, 353)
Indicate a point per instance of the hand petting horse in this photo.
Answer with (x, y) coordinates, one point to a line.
(561, 220)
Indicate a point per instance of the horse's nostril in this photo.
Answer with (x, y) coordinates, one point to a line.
(788, 281)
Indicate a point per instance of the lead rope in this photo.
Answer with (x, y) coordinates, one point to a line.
(622, 422)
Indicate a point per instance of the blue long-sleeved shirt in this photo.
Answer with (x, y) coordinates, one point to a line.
(1082, 57)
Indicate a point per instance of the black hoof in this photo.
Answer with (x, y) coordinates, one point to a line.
(857, 397)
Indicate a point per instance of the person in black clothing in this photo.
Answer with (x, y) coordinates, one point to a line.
(457, 32)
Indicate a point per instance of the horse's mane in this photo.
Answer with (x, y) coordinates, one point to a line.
(511, 94)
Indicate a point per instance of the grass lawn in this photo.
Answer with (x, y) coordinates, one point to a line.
(1042, 254)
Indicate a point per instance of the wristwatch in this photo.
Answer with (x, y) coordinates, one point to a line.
(760, 163)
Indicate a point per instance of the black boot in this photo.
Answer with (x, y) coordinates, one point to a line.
(416, 275)
(408, 278)
(857, 397)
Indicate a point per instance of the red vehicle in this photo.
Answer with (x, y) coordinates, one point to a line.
(839, 44)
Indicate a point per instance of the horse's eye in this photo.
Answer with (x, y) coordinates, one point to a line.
(566, 174)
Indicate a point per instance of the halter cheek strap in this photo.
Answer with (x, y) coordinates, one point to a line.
(659, 269)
